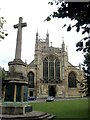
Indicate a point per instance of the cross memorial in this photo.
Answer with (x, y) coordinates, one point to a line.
(19, 38)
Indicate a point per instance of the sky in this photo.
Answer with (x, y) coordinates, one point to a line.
(34, 12)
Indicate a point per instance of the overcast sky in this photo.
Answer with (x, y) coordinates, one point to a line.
(34, 12)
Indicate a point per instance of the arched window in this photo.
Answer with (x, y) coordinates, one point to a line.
(72, 80)
(31, 79)
(57, 69)
(45, 69)
(51, 68)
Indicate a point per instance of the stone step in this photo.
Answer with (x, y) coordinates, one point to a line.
(35, 115)
(44, 116)
(51, 117)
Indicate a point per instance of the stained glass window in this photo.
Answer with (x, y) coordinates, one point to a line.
(45, 69)
(57, 70)
(51, 68)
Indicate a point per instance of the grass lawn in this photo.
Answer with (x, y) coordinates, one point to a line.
(64, 108)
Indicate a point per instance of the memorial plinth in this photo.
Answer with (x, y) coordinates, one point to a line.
(15, 85)
(15, 93)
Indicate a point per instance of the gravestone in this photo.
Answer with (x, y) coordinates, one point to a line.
(15, 85)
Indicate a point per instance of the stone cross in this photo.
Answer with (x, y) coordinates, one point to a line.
(19, 37)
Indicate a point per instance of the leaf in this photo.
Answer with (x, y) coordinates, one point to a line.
(64, 25)
(87, 43)
(84, 50)
(48, 18)
(69, 28)
(2, 37)
(78, 29)
(6, 34)
(79, 44)
(86, 38)
(83, 32)
(51, 3)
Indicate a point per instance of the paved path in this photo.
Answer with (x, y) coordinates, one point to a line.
(56, 99)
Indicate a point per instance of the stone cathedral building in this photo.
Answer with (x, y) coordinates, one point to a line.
(50, 73)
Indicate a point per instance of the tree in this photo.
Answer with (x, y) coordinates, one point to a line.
(78, 11)
(3, 32)
(2, 77)
(0, 83)
(2, 73)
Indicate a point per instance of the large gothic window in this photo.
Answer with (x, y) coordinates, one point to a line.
(57, 69)
(31, 79)
(72, 80)
(51, 68)
(45, 69)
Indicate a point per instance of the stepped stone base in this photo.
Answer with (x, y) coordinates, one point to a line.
(34, 115)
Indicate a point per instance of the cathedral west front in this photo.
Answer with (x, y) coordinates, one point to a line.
(50, 73)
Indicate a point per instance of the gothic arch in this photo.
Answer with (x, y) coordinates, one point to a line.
(51, 68)
(30, 76)
(72, 80)
(54, 55)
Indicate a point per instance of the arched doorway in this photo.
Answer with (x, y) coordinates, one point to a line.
(52, 91)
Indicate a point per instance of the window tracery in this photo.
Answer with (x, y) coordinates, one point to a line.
(51, 69)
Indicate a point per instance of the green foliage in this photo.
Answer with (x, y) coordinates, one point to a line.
(78, 11)
(64, 108)
(3, 32)
(2, 73)
(85, 47)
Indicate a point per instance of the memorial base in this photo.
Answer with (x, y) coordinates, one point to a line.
(16, 110)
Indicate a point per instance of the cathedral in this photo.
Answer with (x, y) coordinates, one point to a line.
(50, 73)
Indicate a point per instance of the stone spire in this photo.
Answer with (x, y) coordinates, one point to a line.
(63, 44)
(37, 40)
(47, 35)
(47, 38)
(37, 36)
(19, 38)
